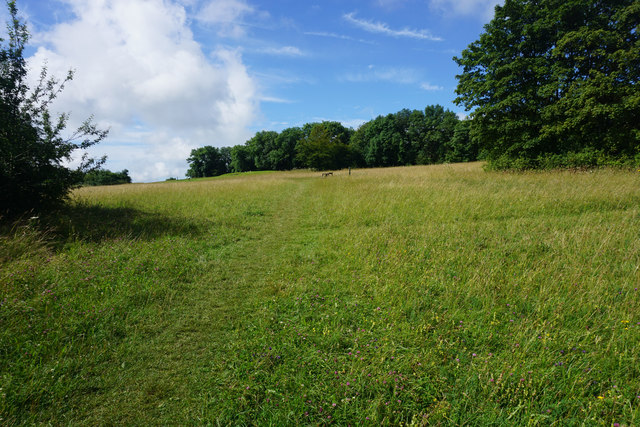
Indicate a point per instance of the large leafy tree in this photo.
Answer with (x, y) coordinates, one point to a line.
(283, 157)
(324, 146)
(208, 161)
(260, 146)
(554, 77)
(241, 160)
(439, 127)
(461, 147)
(33, 149)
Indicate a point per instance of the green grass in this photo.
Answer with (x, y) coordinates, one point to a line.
(421, 295)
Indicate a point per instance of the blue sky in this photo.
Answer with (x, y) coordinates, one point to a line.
(167, 76)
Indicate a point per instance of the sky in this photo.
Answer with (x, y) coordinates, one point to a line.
(168, 76)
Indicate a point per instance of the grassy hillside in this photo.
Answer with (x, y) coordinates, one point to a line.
(420, 295)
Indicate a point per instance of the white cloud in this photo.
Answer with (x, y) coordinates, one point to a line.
(281, 77)
(394, 75)
(349, 123)
(140, 72)
(276, 100)
(389, 4)
(481, 8)
(230, 17)
(353, 123)
(382, 28)
(430, 87)
(284, 51)
(224, 11)
(335, 36)
(227, 15)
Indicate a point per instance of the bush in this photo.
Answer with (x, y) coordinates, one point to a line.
(33, 176)
(581, 160)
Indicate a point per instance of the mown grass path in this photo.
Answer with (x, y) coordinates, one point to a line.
(176, 370)
(424, 295)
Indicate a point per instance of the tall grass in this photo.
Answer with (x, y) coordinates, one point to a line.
(421, 295)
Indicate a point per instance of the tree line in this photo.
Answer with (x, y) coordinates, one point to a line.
(106, 177)
(408, 137)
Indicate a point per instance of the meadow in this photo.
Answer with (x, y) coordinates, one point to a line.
(425, 295)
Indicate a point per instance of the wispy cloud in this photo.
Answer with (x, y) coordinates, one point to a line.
(382, 28)
(275, 100)
(335, 36)
(483, 9)
(394, 75)
(430, 87)
(390, 4)
(282, 77)
(284, 51)
(228, 16)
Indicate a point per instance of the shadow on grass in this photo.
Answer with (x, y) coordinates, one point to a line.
(86, 223)
(97, 223)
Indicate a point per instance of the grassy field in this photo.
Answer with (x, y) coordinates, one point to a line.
(417, 296)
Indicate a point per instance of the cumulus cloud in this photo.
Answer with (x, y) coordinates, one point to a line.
(140, 72)
(382, 28)
(481, 8)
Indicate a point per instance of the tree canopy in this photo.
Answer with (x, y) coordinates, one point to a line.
(411, 137)
(324, 146)
(106, 177)
(553, 79)
(433, 135)
(33, 150)
(209, 161)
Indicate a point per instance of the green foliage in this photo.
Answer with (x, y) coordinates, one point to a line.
(283, 157)
(553, 77)
(241, 160)
(225, 158)
(461, 147)
(582, 160)
(106, 177)
(379, 141)
(325, 146)
(208, 161)
(404, 138)
(260, 146)
(32, 148)
(411, 137)
(440, 127)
